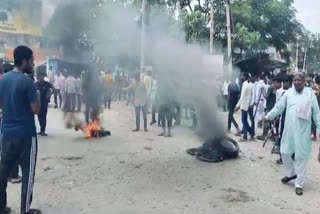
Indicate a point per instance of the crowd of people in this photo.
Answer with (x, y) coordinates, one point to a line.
(286, 107)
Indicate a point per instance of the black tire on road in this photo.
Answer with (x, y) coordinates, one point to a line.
(230, 148)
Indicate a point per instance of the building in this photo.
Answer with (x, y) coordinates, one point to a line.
(21, 24)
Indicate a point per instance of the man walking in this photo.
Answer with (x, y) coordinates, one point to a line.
(45, 89)
(233, 97)
(244, 104)
(20, 102)
(301, 107)
(58, 84)
(271, 101)
(287, 84)
(260, 95)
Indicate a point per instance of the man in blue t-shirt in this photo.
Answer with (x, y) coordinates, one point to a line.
(20, 102)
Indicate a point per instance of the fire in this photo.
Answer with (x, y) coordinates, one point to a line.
(92, 129)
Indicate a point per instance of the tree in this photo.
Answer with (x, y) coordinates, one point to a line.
(195, 27)
(246, 40)
(3, 17)
(69, 26)
(9, 4)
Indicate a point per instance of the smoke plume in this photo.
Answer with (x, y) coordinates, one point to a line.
(118, 36)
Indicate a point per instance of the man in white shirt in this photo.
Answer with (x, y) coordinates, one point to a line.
(244, 104)
(260, 98)
(78, 84)
(58, 85)
(148, 82)
(70, 90)
(225, 94)
(51, 75)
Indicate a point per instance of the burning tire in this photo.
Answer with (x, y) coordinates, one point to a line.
(216, 152)
(229, 148)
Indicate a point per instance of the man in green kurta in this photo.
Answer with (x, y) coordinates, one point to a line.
(301, 107)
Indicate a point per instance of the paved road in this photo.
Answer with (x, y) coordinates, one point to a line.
(140, 172)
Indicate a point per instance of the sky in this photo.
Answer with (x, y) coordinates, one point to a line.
(308, 14)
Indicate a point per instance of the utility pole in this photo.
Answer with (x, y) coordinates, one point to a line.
(211, 30)
(304, 60)
(143, 35)
(297, 56)
(229, 37)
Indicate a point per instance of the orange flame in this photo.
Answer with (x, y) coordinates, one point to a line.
(92, 129)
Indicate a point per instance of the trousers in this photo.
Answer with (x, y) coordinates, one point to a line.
(138, 109)
(251, 116)
(294, 167)
(42, 117)
(57, 93)
(70, 102)
(166, 115)
(24, 152)
(245, 125)
(231, 120)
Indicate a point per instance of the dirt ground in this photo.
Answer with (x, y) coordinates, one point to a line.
(134, 173)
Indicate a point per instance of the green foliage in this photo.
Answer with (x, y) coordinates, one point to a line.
(311, 44)
(195, 27)
(244, 39)
(68, 26)
(9, 4)
(3, 17)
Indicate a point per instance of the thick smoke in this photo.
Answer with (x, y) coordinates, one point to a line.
(118, 37)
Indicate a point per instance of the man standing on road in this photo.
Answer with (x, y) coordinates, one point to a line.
(70, 98)
(271, 101)
(233, 97)
(301, 107)
(287, 84)
(140, 103)
(78, 83)
(58, 84)
(244, 104)
(225, 94)
(45, 89)
(108, 83)
(260, 97)
(20, 102)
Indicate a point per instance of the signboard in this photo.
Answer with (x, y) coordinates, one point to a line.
(21, 17)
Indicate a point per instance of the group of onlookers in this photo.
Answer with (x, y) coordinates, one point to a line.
(287, 108)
